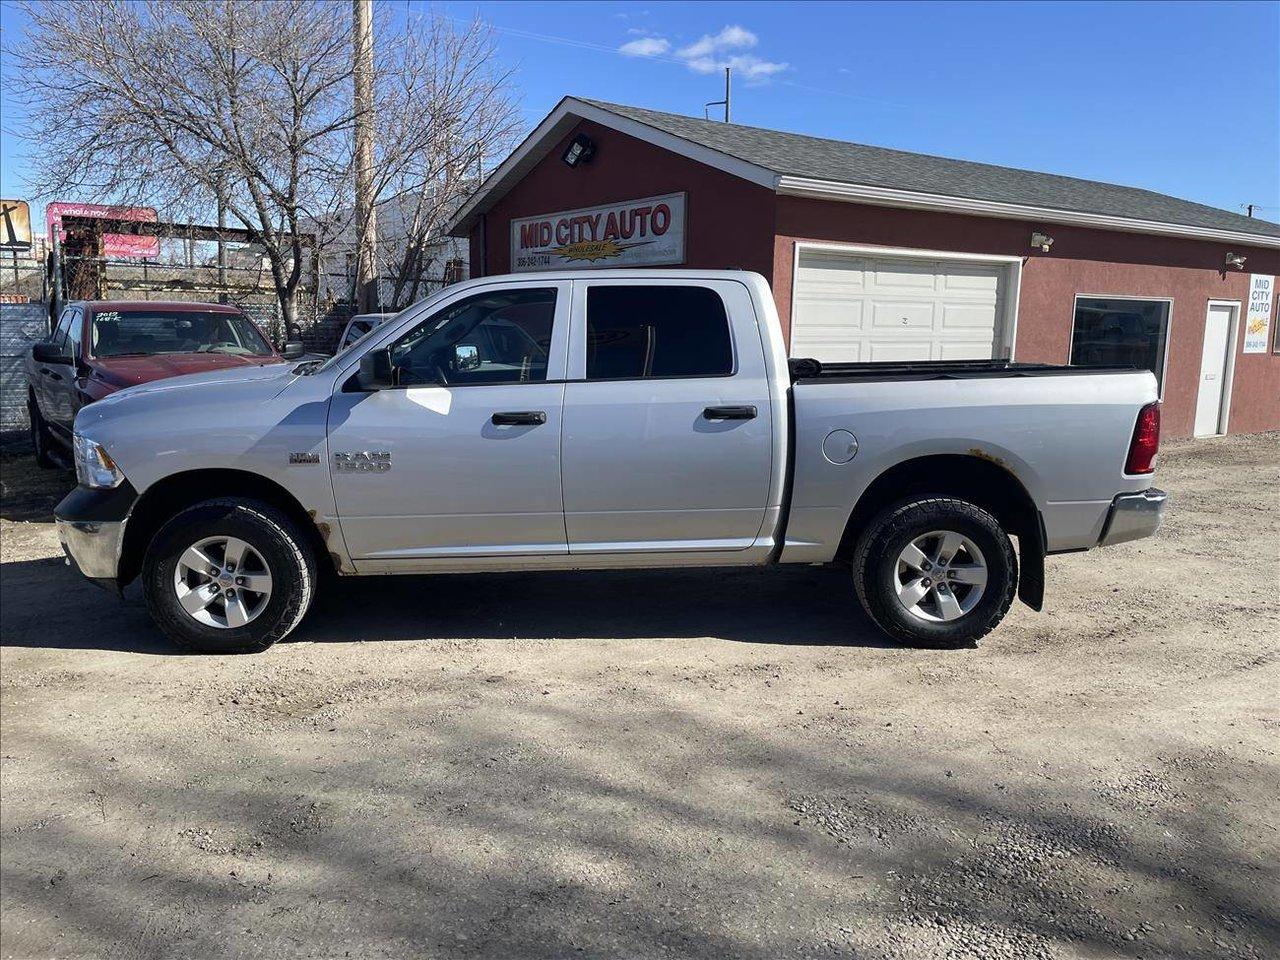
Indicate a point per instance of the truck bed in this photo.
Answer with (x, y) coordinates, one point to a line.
(1062, 432)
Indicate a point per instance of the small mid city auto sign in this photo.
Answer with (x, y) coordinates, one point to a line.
(648, 232)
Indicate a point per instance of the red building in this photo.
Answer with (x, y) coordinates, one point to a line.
(877, 254)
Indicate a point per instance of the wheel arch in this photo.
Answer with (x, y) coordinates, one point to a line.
(978, 480)
(174, 493)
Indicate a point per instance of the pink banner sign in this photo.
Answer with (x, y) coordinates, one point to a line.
(113, 244)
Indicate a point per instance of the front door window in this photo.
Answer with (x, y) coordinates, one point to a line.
(491, 338)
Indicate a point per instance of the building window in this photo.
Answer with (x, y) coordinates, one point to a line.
(1113, 332)
(637, 332)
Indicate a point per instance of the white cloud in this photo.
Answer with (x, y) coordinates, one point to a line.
(645, 47)
(711, 53)
(731, 37)
(745, 65)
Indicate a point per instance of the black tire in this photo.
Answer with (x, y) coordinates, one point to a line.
(40, 436)
(875, 562)
(271, 534)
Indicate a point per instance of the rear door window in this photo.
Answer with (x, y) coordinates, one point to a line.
(643, 331)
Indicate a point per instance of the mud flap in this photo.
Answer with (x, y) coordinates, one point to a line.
(1031, 549)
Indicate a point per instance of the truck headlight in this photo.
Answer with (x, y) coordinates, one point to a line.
(94, 466)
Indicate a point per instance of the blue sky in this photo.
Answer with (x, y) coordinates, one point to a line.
(1180, 98)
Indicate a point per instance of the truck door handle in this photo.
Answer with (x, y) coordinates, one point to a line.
(744, 412)
(516, 418)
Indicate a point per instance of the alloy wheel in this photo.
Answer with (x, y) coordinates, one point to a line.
(222, 582)
(940, 576)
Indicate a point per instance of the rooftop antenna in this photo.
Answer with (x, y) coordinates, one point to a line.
(715, 103)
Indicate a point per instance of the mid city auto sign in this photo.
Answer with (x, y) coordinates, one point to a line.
(632, 233)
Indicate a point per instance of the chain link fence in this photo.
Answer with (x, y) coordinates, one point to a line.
(245, 280)
(24, 320)
(336, 305)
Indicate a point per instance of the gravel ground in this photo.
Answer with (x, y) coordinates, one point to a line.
(711, 764)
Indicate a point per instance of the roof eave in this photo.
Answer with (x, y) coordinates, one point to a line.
(567, 114)
(910, 199)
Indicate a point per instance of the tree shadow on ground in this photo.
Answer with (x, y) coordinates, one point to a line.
(474, 821)
(28, 492)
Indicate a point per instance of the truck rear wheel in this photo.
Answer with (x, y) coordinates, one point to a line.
(228, 576)
(935, 572)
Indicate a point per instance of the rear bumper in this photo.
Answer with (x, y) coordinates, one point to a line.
(1133, 516)
(91, 527)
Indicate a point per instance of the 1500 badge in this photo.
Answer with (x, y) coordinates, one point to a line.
(375, 461)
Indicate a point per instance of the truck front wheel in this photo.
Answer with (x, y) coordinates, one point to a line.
(935, 572)
(228, 576)
(40, 438)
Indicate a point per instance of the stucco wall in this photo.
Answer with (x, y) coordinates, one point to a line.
(730, 221)
(1081, 261)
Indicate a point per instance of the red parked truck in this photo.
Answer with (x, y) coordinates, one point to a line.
(101, 346)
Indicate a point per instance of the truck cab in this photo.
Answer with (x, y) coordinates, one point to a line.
(603, 419)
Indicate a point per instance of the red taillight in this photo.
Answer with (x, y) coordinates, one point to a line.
(1145, 445)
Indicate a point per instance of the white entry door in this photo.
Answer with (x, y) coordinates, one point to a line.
(860, 307)
(1214, 362)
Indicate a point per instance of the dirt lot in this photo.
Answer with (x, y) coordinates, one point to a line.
(685, 764)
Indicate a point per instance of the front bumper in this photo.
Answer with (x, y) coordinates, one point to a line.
(94, 545)
(91, 527)
(1134, 516)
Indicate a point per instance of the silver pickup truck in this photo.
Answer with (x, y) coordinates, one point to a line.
(605, 419)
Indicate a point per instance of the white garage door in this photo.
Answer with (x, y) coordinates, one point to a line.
(858, 308)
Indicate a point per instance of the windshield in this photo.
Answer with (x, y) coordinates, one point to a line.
(134, 333)
(358, 327)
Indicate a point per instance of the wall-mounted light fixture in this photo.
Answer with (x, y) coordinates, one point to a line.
(1042, 240)
(1235, 260)
(580, 150)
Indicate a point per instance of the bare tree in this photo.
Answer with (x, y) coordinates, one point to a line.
(165, 102)
(441, 89)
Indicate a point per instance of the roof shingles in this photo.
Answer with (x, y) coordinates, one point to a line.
(793, 154)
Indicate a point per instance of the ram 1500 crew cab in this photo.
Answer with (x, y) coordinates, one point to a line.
(604, 419)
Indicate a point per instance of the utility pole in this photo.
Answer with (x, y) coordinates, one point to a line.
(366, 214)
(222, 243)
(724, 102)
(1250, 207)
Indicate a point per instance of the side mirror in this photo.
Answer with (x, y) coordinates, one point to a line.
(293, 350)
(466, 357)
(376, 372)
(46, 352)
